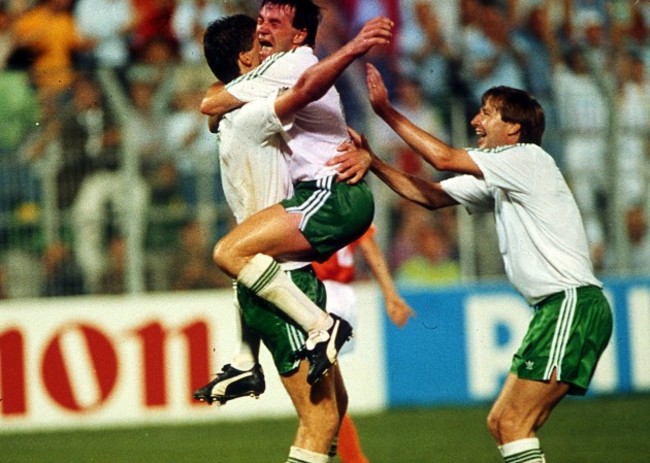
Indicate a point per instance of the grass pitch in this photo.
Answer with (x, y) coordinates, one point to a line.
(596, 430)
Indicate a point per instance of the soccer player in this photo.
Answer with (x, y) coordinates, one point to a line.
(255, 175)
(337, 273)
(542, 242)
(322, 215)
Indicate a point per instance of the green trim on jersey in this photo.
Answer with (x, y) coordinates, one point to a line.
(568, 334)
(334, 214)
(280, 334)
(259, 70)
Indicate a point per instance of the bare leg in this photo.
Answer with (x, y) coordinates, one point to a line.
(522, 407)
(318, 415)
(272, 231)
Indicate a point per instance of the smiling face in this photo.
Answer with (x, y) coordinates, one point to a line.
(275, 30)
(491, 130)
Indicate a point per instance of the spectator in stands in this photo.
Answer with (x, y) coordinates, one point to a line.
(433, 261)
(7, 41)
(638, 256)
(63, 277)
(50, 32)
(538, 49)
(154, 24)
(583, 115)
(633, 105)
(637, 35)
(190, 19)
(357, 12)
(424, 52)
(108, 189)
(19, 110)
(407, 218)
(113, 276)
(89, 139)
(109, 23)
(193, 267)
(488, 56)
(589, 33)
(188, 139)
(637, 232)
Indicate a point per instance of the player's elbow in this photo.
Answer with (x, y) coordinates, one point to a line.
(207, 107)
(444, 162)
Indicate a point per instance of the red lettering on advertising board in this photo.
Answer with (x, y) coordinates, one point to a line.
(198, 354)
(57, 366)
(56, 374)
(154, 338)
(12, 373)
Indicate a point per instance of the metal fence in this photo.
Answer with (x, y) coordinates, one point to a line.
(124, 196)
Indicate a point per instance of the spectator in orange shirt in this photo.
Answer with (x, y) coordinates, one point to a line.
(50, 32)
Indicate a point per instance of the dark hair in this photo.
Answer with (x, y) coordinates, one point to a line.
(519, 107)
(307, 15)
(224, 39)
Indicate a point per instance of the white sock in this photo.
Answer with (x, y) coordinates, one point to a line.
(249, 347)
(263, 275)
(247, 351)
(522, 451)
(298, 455)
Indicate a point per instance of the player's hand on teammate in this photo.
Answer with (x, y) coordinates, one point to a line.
(354, 161)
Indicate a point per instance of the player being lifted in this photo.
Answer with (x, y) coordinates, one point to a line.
(322, 215)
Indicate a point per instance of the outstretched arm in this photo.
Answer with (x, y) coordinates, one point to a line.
(433, 150)
(423, 192)
(317, 79)
(396, 308)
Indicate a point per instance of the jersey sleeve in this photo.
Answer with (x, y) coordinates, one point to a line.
(473, 193)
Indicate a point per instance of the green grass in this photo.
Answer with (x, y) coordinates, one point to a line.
(602, 430)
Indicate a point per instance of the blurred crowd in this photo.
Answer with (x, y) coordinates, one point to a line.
(106, 160)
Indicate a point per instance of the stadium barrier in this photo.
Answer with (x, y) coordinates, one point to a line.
(129, 360)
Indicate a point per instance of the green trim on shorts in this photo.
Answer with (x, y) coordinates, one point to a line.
(281, 335)
(334, 214)
(568, 334)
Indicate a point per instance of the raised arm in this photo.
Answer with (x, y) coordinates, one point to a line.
(433, 150)
(317, 79)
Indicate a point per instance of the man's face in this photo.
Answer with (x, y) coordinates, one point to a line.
(490, 129)
(275, 31)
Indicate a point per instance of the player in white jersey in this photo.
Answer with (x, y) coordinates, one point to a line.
(542, 242)
(323, 215)
(247, 135)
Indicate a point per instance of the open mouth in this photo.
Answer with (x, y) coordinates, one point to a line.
(266, 48)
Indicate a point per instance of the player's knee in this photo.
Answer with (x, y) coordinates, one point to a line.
(492, 423)
(222, 255)
(505, 426)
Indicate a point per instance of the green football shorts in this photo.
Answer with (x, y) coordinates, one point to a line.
(334, 214)
(280, 334)
(568, 333)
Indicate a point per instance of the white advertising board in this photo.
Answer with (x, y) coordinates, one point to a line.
(100, 361)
